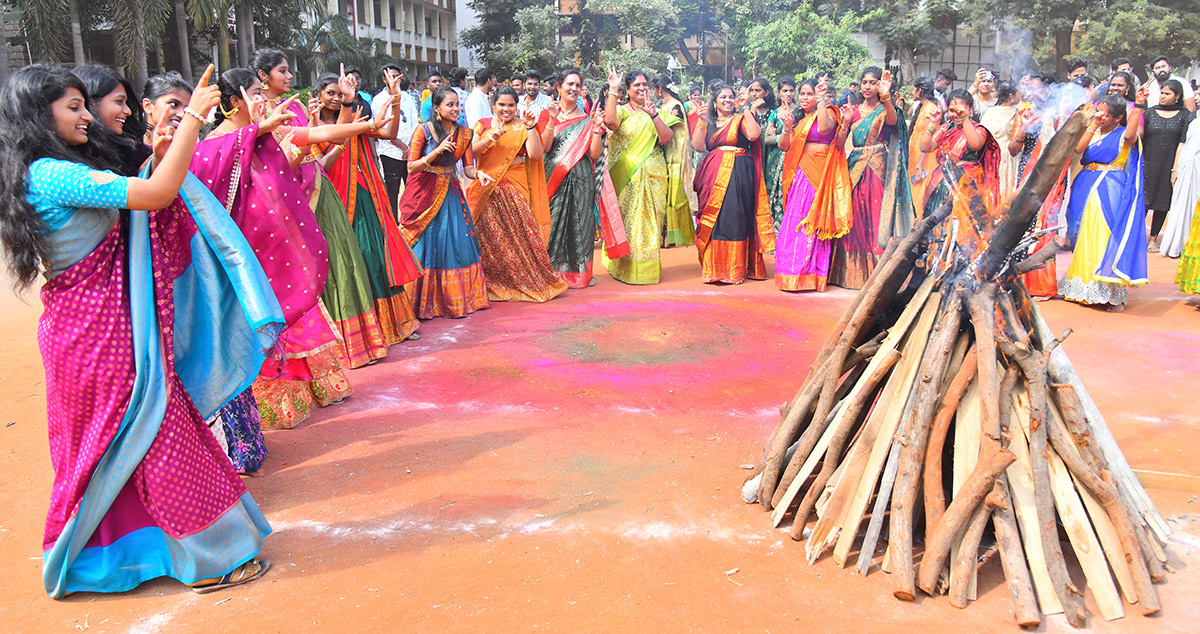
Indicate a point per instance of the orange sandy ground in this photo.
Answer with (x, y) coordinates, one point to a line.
(574, 466)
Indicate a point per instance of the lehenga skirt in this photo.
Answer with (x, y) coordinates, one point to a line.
(393, 306)
(515, 262)
(453, 284)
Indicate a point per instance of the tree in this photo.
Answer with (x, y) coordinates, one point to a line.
(497, 26)
(803, 41)
(1140, 30)
(536, 45)
(42, 20)
(1050, 22)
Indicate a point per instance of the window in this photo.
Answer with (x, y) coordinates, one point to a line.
(428, 26)
(378, 12)
(392, 15)
(361, 16)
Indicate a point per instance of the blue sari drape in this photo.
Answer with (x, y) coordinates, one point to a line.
(1121, 194)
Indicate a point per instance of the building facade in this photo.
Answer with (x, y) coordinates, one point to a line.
(421, 34)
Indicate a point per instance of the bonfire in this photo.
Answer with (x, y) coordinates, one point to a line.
(944, 408)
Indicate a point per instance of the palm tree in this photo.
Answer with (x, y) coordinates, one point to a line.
(208, 13)
(317, 38)
(138, 25)
(42, 20)
(5, 70)
(181, 32)
(244, 18)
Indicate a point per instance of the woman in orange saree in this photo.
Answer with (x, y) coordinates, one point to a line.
(434, 216)
(509, 210)
(922, 165)
(816, 186)
(735, 218)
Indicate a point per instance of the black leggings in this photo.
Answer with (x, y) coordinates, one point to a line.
(1156, 222)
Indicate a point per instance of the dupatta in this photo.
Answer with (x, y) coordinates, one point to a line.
(889, 162)
(496, 161)
(643, 141)
(577, 135)
(712, 182)
(426, 190)
(262, 194)
(830, 215)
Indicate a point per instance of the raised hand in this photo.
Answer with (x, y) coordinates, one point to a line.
(279, 116)
(702, 111)
(1143, 93)
(447, 145)
(554, 110)
(348, 85)
(614, 80)
(787, 119)
(164, 132)
(885, 85)
(529, 120)
(385, 116)
(392, 83)
(649, 108)
(205, 97)
(314, 111)
(256, 107)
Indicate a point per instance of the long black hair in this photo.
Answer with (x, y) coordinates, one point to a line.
(439, 133)
(100, 82)
(924, 83)
(712, 104)
(265, 60)
(323, 80)
(160, 86)
(28, 133)
(768, 92)
(663, 82)
(1130, 92)
(231, 83)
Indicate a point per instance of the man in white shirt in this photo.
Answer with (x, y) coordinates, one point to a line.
(533, 100)
(393, 153)
(478, 104)
(1160, 70)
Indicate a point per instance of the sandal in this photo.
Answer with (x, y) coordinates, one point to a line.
(244, 573)
(413, 337)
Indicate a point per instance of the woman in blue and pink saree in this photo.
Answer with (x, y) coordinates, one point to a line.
(154, 318)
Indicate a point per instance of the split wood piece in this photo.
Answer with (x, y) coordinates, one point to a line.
(1012, 559)
(1071, 411)
(874, 299)
(1115, 549)
(961, 509)
(1020, 485)
(1181, 482)
(829, 488)
(912, 456)
(1042, 257)
(800, 457)
(968, 552)
(877, 435)
(1044, 493)
(809, 465)
(968, 438)
(859, 401)
(1061, 371)
(881, 422)
(866, 552)
(1114, 517)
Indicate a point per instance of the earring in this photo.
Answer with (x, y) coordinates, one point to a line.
(228, 113)
(438, 116)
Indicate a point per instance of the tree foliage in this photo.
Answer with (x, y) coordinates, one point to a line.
(536, 45)
(1141, 30)
(802, 42)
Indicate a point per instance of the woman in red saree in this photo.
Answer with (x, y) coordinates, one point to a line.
(816, 186)
(967, 144)
(735, 218)
(509, 210)
(434, 216)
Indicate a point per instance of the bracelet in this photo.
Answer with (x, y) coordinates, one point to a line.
(192, 113)
(530, 127)
(373, 126)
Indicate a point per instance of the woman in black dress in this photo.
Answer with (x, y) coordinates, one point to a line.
(1166, 128)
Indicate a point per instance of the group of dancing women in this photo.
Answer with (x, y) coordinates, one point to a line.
(198, 290)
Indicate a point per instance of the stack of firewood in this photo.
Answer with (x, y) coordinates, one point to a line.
(944, 408)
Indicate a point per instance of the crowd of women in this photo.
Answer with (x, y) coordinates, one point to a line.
(217, 257)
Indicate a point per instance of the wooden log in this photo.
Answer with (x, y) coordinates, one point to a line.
(866, 553)
(851, 415)
(968, 551)
(885, 427)
(1107, 495)
(1016, 571)
(1039, 452)
(891, 274)
(912, 456)
(1028, 201)
(962, 507)
(935, 496)
(807, 468)
(1043, 256)
(1062, 372)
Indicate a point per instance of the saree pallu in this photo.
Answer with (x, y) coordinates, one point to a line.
(735, 221)
(436, 221)
(880, 201)
(1184, 196)
(639, 174)
(816, 210)
(390, 262)
(1187, 276)
(1108, 197)
(681, 199)
(921, 165)
(980, 166)
(142, 488)
(772, 164)
(580, 196)
(515, 263)
(347, 295)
